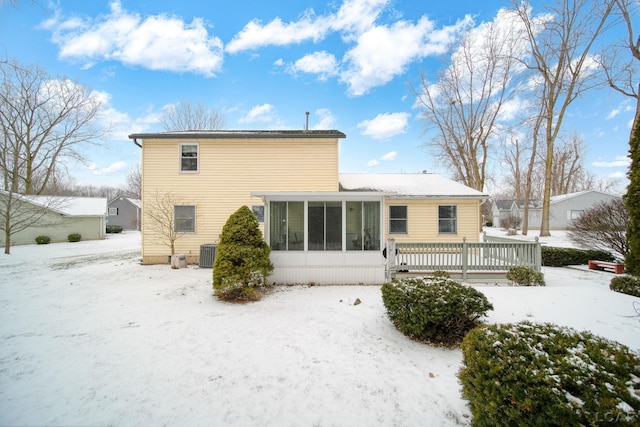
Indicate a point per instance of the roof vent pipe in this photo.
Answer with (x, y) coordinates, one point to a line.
(306, 125)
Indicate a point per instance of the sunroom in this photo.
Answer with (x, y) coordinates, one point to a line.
(325, 237)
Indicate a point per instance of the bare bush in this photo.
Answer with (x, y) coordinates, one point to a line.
(603, 226)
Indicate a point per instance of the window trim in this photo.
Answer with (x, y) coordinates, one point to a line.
(405, 219)
(112, 210)
(180, 157)
(455, 220)
(175, 220)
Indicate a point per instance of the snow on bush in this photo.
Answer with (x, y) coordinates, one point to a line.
(525, 276)
(242, 259)
(629, 285)
(434, 309)
(543, 374)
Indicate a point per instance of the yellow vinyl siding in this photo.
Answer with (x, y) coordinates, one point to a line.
(229, 170)
(422, 223)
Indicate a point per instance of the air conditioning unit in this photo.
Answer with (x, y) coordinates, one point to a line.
(207, 255)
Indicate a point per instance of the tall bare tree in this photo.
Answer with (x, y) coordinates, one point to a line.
(622, 74)
(134, 182)
(43, 120)
(466, 104)
(187, 115)
(560, 42)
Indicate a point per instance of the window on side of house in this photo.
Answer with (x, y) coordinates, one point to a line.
(398, 219)
(189, 157)
(363, 226)
(325, 226)
(575, 214)
(447, 219)
(113, 211)
(184, 218)
(258, 211)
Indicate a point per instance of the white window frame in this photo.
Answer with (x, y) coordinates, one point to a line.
(113, 211)
(175, 219)
(181, 157)
(455, 220)
(405, 219)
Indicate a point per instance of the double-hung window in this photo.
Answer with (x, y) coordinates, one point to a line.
(189, 157)
(447, 219)
(184, 218)
(398, 219)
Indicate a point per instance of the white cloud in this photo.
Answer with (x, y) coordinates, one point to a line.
(327, 120)
(260, 113)
(322, 63)
(620, 161)
(383, 52)
(378, 53)
(386, 125)
(390, 156)
(372, 163)
(159, 42)
(612, 114)
(112, 169)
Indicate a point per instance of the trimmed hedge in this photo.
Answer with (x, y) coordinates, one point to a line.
(543, 374)
(114, 229)
(560, 257)
(434, 309)
(43, 240)
(525, 276)
(74, 237)
(629, 285)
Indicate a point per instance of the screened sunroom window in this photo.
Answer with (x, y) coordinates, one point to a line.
(287, 226)
(325, 226)
(363, 226)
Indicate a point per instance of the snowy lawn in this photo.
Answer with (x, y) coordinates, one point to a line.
(91, 337)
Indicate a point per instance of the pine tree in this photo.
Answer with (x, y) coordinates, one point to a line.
(632, 199)
(242, 260)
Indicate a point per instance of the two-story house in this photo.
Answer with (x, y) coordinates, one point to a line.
(322, 226)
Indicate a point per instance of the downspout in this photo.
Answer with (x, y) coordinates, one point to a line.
(135, 141)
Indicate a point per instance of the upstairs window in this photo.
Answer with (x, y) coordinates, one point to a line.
(447, 219)
(188, 157)
(398, 219)
(113, 211)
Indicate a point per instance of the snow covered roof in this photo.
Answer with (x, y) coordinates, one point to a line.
(408, 185)
(560, 197)
(72, 206)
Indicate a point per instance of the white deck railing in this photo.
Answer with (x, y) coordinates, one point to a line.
(495, 255)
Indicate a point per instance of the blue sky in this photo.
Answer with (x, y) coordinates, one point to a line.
(350, 63)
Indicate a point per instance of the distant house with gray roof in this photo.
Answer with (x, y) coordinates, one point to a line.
(125, 212)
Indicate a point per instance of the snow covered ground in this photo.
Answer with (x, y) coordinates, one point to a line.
(91, 337)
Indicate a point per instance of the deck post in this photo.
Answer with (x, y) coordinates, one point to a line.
(465, 258)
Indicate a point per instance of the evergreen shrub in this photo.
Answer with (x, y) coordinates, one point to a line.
(560, 257)
(74, 237)
(242, 261)
(43, 240)
(629, 285)
(542, 375)
(434, 309)
(525, 276)
(114, 229)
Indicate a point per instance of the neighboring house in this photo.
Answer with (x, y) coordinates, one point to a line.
(125, 212)
(563, 208)
(322, 226)
(56, 217)
(502, 210)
